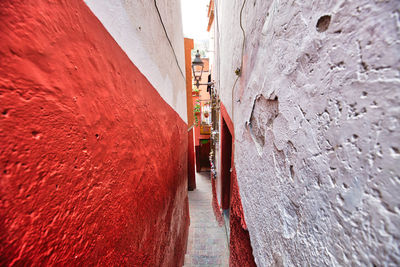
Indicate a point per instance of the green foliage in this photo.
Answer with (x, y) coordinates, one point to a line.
(197, 108)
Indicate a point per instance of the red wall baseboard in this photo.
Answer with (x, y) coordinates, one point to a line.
(241, 252)
(191, 162)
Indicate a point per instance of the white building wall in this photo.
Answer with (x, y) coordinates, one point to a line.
(211, 51)
(136, 26)
(317, 138)
(215, 72)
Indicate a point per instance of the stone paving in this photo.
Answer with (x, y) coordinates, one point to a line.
(207, 244)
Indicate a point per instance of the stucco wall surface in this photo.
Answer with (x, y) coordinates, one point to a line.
(316, 115)
(137, 28)
(93, 162)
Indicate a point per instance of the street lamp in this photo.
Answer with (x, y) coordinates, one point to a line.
(197, 67)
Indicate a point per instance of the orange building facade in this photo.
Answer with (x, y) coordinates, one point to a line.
(202, 120)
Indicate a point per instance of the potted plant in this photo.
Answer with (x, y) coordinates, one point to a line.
(206, 114)
(196, 92)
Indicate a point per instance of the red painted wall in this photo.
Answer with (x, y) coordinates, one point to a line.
(191, 162)
(241, 252)
(188, 44)
(227, 148)
(93, 162)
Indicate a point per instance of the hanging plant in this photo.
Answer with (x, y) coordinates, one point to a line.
(197, 108)
(206, 114)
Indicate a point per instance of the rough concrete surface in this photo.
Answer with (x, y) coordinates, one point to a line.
(316, 114)
(93, 162)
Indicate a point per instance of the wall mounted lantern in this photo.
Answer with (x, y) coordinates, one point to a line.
(197, 67)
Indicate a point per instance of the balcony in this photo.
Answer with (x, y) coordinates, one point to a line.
(205, 129)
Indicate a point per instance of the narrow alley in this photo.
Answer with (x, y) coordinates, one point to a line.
(207, 243)
(170, 133)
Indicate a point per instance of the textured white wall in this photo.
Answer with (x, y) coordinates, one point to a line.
(136, 27)
(316, 117)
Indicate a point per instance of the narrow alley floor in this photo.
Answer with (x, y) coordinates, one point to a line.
(207, 244)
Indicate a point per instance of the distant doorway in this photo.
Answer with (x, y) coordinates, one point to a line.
(226, 166)
(226, 171)
(202, 155)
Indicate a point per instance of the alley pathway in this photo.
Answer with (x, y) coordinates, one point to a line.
(207, 244)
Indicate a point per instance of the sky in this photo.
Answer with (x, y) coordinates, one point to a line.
(194, 19)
